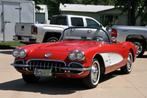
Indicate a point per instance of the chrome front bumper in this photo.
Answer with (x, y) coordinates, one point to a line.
(64, 68)
(55, 65)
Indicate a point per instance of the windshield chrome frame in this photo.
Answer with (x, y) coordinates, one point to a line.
(101, 28)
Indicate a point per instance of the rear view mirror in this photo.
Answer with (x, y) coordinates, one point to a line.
(113, 34)
(113, 39)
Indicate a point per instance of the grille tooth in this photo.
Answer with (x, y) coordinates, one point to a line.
(30, 66)
(48, 64)
(40, 63)
(59, 68)
(55, 68)
(45, 64)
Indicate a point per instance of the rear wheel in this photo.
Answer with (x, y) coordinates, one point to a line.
(140, 48)
(52, 39)
(51, 36)
(128, 67)
(92, 79)
(30, 78)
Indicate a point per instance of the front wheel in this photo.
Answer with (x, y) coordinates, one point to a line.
(92, 79)
(128, 67)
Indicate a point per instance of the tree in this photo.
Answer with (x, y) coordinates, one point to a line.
(134, 8)
(97, 2)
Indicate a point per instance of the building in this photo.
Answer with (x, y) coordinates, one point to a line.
(11, 12)
(106, 14)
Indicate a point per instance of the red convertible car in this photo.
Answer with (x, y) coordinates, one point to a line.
(83, 53)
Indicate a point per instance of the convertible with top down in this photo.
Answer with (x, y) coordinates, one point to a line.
(83, 53)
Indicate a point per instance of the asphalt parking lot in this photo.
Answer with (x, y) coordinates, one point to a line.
(114, 85)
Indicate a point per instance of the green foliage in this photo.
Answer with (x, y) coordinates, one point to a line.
(10, 44)
(135, 8)
(97, 2)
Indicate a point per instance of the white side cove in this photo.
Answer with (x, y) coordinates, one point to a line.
(111, 58)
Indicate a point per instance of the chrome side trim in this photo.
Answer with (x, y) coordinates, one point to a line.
(77, 69)
(75, 63)
(19, 65)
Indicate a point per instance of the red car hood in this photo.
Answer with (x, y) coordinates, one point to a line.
(60, 50)
(65, 46)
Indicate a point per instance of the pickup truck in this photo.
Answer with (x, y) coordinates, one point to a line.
(38, 33)
(135, 34)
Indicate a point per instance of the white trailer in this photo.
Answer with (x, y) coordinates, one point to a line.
(12, 12)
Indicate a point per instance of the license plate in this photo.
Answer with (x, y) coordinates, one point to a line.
(43, 72)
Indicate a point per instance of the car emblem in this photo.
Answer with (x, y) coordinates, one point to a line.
(47, 55)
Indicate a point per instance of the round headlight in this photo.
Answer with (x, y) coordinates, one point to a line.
(16, 53)
(22, 53)
(19, 53)
(80, 56)
(72, 56)
(77, 55)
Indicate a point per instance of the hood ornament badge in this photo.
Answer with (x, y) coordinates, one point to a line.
(47, 55)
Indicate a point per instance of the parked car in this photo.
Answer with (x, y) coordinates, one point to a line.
(135, 34)
(83, 53)
(38, 33)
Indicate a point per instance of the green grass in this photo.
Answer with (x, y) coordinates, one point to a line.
(10, 44)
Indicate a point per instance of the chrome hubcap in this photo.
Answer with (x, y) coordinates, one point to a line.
(95, 72)
(129, 64)
(139, 47)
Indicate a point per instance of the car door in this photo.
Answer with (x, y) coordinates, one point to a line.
(113, 53)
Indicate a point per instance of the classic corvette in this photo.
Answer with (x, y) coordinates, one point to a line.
(83, 53)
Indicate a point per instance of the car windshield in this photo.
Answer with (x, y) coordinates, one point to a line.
(84, 34)
(79, 33)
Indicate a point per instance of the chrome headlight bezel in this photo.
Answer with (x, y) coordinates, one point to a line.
(19, 53)
(16, 53)
(76, 55)
(22, 53)
(72, 56)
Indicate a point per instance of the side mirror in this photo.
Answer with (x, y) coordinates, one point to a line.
(109, 29)
(113, 33)
(114, 40)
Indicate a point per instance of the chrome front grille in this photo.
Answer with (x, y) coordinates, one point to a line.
(56, 66)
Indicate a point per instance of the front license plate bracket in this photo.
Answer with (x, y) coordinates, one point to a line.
(43, 72)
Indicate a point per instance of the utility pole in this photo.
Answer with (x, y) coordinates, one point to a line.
(2, 22)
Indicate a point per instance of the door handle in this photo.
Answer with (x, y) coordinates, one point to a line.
(7, 22)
